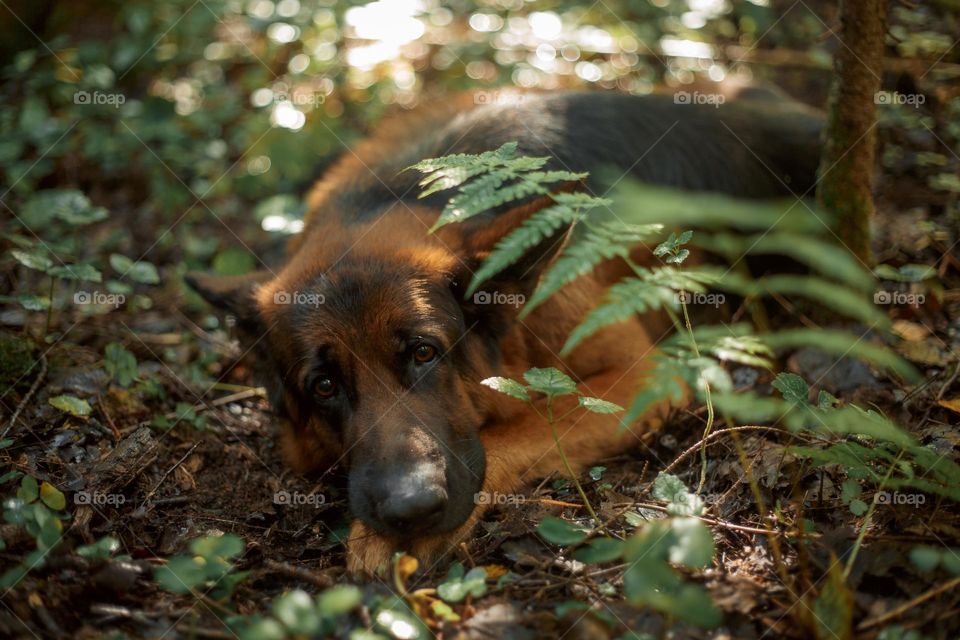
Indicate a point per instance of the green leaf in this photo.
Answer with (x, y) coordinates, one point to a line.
(120, 364)
(832, 295)
(457, 586)
(793, 387)
(233, 261)
(388, 619)
(680, 502)
(13, 576)
(599, 550)
(822, 255)
(550, 382)
(69, 205)
(596, 473)
(70, 404)
(82, 272)
(142, 272)
(849, 490)
(596, 405)
(925, 558)
(444, 611)
(339, 600)
(624, 300)
(600, 242)
(52, 497)
(542, 225)
(101, 549)
(36, 259)
(180, 574)
(560, 532)
(29, 489)
(297, 612)
(31, 302)
(693, 546)
(842, 344)
(227, 545)
(906, 273)
(507, 386)
(833, 608)
(264, 629)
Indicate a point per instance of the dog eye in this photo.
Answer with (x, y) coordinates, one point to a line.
(424, 353)
(324, 388)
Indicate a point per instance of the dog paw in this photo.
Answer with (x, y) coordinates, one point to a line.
(368, 552)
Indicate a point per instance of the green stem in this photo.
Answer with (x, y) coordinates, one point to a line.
(867, 518)
(709, 401)
(566, 463)
(46, 327)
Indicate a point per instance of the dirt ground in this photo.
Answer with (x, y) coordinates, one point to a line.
(220, 473)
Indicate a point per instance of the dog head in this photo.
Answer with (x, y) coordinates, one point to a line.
(373, 356)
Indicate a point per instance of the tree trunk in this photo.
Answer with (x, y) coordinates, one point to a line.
(846, 165)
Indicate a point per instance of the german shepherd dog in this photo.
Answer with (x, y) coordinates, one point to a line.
(373, 357)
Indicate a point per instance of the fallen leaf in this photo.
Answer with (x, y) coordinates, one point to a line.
(910, 331)
(953, 405)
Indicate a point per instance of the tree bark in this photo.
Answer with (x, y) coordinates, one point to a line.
(847, 161)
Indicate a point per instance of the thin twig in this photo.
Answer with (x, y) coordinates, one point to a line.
(168, 472)
(720, 523)
(906, 606)
(319, 580)
(713, 435)
(27, 398)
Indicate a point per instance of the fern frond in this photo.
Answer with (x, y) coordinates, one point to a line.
(842, 343)
(487, 180)
(820, 255)
(640, 203)
(567, 209)
(830, 294)
(600, 242)
(622, 301)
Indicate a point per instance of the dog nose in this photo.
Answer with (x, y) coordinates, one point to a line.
(411, 512)
(411, 501)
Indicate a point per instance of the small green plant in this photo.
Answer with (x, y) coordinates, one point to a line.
(460, 583)
(39, 509)
(679, 540)
(184, 412)
(553, 383)
(120, 364)
(209, 570)
(297, 614)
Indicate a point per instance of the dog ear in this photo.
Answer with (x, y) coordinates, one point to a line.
(232, 294)
(517, 281)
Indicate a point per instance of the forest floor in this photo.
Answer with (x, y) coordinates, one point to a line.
(155, 489)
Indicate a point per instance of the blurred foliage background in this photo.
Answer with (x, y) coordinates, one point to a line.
(216, 115)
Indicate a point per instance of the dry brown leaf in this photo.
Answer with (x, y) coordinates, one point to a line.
(953, 405)
(910, 331)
